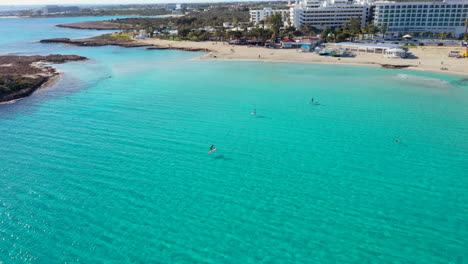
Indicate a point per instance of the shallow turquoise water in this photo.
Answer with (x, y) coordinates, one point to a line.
(111, 164)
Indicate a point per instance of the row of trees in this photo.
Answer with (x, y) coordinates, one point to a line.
(351, 30)
(271, 28)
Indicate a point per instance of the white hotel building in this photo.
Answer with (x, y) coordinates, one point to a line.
(400, 17)
(257, 15)
(412, 17)
(329, 13)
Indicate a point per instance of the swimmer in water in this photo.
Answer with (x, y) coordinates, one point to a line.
(397, 141)
(312, 100)
(212, 147)
(254, 112)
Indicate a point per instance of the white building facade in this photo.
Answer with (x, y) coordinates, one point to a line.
(257, 15)
(329, 13)
(414, 17)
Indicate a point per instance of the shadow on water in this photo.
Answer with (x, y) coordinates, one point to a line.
(222, 157)
(399, 143)
(316, 104)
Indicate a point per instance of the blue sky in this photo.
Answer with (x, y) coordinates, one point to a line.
(48, 2)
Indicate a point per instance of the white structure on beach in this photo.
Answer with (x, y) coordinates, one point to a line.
(329, 13)
(257, 15)
(181, 6)
(388, 50)
(413, 17)
(141, 34)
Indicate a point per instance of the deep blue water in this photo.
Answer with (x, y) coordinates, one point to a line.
(111, 164)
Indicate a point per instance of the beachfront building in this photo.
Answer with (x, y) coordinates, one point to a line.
(141, 34)
(329, 13)
(257, 15)
(299, 43)
(388, 50)
(414, 17)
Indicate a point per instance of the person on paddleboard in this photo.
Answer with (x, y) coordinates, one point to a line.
(254, 112)
(212, 147)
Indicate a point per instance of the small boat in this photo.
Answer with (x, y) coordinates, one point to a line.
(324, 52)
(338, 53)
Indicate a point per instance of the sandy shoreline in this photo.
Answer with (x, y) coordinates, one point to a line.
(430, 59)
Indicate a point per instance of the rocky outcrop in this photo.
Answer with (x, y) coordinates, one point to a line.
(97, 41)
(97, 25)
(179, 48)
(395, 66)
(105, 40)
(20, 76)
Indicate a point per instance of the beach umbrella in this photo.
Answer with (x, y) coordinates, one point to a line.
(407, 36)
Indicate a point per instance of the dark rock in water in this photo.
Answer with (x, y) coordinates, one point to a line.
(56, 40)
(103, 40)
(179, 48)
(107, 39)
(20, 76)
(394, 66)
(97, 25)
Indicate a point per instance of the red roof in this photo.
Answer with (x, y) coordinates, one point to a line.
(287, 40)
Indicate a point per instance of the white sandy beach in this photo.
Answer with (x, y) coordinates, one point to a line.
(426, 58)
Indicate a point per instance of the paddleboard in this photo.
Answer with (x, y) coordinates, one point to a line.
(211, 151)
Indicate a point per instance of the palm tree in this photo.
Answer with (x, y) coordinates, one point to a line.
(384, 29)
(275, 21)
(443, 35)
(466, 28)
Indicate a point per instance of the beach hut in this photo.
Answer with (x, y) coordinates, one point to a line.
(407, 37)
(287, 43)
(396, 53)
(305, 48)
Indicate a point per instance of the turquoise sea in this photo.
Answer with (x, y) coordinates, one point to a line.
(111, 166)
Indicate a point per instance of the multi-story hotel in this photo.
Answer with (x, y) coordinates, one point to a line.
(257, 15)
(412, 17)
(449, 16)
(329, 13)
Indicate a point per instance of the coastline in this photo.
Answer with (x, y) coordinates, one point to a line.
(428, 59)
(21, 76)
(51, 81)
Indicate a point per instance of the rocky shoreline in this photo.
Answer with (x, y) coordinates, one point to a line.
(20, 76)
(96, 25)
(126, 43)
(97, 41)
(179, 48)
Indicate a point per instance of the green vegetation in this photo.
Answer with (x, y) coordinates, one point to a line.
(120, 35)
(141, 11)
(350, 30)
(189, 26)
(213, 17)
